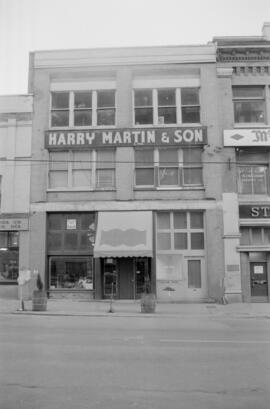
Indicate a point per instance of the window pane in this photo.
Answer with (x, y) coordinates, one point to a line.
(260, 179)
(192, 156)
(190, 96)
(105, 159)
(267, 235)
(3, 239)
(249, 111)
(13, 239)
(81, 178)
(86, 220)
(55, 222)
(143, 97)
(194, 274)
(191, 114)
(106, 99)
(82, 118)
(244, 239)
(245, 180)
(168, 176)
(54, 241)
(106, 117)
(144, 157)
(60, 118)
(179, 220)
(197, 241)
(167, 115)
(143, 116)
(144, 177)
(60, 100)
(180, 241)
(105, 178)
(166, 97)
(83, 99)
(71, 241)
(256, 236)
(248, 92)
(59, 160)
(58, 179)
(168, 157)
(81, 160)
(163, 241)
(192, 176)
(196, 220)
(163, 221)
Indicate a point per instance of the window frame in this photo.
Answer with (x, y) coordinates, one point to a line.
(72, 109)
(252, 164)
(264, 99)
(157, 166)
(71, 168)
(155, 106)
(171, 230)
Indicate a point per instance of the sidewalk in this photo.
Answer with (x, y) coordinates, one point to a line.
(133, 308)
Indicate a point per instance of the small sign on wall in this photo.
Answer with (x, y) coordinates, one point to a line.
(71, 224)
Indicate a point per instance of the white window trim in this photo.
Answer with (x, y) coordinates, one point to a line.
(155, 107)
(94, 109)
(92, 184)
(156, 166)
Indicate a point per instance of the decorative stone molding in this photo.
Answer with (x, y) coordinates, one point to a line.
(224, 72)
(251, 70)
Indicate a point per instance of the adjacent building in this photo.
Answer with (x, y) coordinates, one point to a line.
(243, 65)
(15, 168)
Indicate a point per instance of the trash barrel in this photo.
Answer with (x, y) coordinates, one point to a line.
(148, 303)
(39, 301)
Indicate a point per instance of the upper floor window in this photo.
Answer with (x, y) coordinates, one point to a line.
(166, 106)
(168, 167)
(249, 104)
(253, 171)
(82, 108)
(82, 169)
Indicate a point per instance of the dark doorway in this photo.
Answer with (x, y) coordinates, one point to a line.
(126, 278)
(258, 279)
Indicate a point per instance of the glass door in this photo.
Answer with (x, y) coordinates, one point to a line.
(142, 277)
(110, 278)
(258, 279)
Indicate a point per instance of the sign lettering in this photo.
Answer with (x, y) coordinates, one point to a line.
(125, 137)
(254, 212)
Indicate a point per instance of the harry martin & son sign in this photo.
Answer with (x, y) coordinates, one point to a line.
(125, 137)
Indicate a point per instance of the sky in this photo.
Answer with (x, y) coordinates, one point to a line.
(30, 25)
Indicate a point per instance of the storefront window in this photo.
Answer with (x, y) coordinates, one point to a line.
(74, 273)
(254, 236)
(9, 256)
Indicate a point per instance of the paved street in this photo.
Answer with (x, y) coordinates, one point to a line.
(118, 362)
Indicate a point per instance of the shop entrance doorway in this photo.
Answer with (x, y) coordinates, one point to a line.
(126, 277)
(258, 279)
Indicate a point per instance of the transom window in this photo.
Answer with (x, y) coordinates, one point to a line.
(82, 169)
(253, 171)
(255, 235)
(168, 167)
(82, 108)
(180, 230)
(249, 104)
(166, 106)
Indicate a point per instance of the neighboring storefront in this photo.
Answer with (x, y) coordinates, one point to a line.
(255, 251)
(252, 153)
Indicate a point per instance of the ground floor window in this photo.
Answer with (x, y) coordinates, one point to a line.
(71, 272)
(9, 256)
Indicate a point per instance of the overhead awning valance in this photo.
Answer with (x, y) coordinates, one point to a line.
(124, 234)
